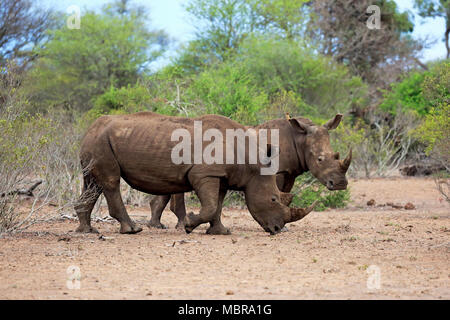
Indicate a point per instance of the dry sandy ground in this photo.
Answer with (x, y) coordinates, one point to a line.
(328, 255)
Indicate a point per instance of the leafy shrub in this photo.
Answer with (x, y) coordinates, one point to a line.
(307, 189)
(436, 85)
(435, 132)
(406, 95)
(284, 102)
(74, 67)
(265, 79)
(324, 86)
(380, 147)
(124, 100)
(34, 148)
(435, 129)
(228, 90)
(419, 91)
(169, 88)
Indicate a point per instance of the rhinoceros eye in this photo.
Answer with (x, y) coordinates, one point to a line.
(274, 198)
(321, 158)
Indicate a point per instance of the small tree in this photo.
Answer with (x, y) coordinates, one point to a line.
(435, 129)
(340, 29)
(22, 25)
(111, 49)
(38, 158)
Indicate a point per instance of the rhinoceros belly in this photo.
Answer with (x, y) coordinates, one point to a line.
(144, 157)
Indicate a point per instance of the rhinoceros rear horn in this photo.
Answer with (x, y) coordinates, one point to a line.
(286, 198)
(299, 213)
(345, 164)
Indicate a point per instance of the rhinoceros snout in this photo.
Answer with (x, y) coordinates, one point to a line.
(340, 185)
(273, 230)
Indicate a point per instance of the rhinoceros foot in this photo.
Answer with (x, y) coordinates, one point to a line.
(86, 229)
(219, 230)
(188, 222)
(157, 225)
(180, 226)
(129, 229)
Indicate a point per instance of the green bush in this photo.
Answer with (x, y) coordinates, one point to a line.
(230, 91)
(76, 66)
(379, 148)
(280, 65)
(307, 189)
(436, 85)
(118, 101)
(435, 133)
(22, 139)
(419, 91)
(124, 100)
(406, 95)
(263, 80)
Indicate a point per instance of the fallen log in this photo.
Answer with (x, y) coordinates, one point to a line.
(24, 192)
(421, 169)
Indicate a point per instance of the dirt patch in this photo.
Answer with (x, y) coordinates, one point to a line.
(328, 255)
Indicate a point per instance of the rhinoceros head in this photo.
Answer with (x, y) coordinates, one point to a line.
(269, 207)
(313, 144)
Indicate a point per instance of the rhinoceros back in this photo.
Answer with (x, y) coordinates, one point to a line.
(141, 144)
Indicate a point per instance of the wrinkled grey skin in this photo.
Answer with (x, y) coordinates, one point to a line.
(303, 147)
(138, 149)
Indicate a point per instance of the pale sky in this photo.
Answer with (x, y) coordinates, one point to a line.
(170, 16)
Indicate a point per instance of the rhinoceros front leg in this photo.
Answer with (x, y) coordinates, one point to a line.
(285, 183)
(209, 192)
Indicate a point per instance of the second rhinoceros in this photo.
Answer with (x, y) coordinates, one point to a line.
(304, 147)
(139, 149)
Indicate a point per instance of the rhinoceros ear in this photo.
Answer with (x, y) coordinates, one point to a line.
(333, 123)
(300, 126)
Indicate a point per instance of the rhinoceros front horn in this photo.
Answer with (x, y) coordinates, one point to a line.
(299, 213)
(346, 162)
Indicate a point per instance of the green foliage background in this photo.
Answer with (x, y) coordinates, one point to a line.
(250, 60)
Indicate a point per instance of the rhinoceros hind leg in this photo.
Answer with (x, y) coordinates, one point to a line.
(157, 205)
(178, 206)
(117, 210)
(86, 203)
